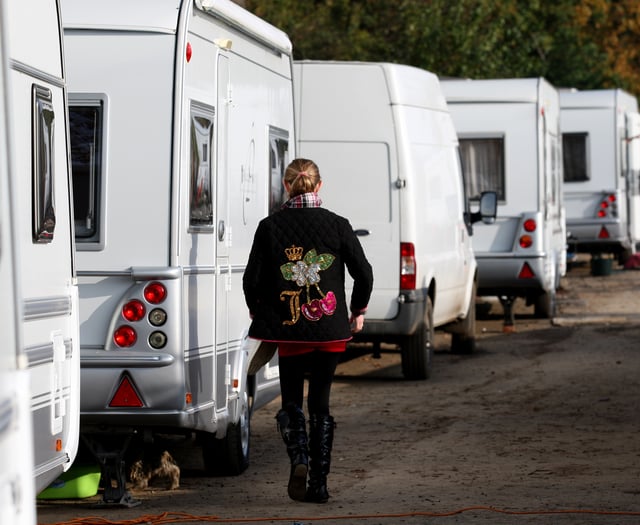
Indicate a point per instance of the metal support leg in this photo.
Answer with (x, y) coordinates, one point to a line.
(509, 316)
(109, 450)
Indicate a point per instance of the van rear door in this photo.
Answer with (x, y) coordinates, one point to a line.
(370, 209)
(349, 131)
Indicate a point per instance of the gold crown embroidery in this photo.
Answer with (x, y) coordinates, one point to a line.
(294, 253)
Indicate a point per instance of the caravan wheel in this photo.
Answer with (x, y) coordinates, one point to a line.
(229, 456)
(417, 349)
(544, 306)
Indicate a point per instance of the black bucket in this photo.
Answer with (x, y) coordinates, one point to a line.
(601, 265)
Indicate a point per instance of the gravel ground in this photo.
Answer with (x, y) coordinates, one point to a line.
(538, 426)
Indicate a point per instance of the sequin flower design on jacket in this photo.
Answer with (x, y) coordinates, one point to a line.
(305, 272)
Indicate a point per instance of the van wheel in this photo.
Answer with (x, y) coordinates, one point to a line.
(229, 456)
(463, 339)
(544, 306)
(417, 349)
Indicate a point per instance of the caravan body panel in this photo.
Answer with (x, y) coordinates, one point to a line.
(17, 485)
(182, 116)
(44, 234)
(601, 150)
(510, 142)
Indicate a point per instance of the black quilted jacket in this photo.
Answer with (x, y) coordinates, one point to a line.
(294, 280)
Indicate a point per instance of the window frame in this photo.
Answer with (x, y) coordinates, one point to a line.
(476, 187)
(585, 154)
(203, 111)
(97, 172)
(43, 165)
(278, 162)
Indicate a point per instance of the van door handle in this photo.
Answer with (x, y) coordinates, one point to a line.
(362, 233)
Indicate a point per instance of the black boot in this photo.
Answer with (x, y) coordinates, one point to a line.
(293, 429)
(320, 444)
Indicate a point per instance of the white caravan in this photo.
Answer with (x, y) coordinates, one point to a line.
(601, 150)
(181, 118)
(387, 149)
(509, 132)
(17, 485)
(44, 232)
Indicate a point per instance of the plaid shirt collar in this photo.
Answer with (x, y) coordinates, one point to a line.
(306, 200)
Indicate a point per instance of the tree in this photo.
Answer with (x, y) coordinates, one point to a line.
(586, 44)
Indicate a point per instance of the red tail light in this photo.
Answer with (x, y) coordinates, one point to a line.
(133, 311)
(526, 241)
(125, 336)
(603, 233)
(607, 207)
(126, 395)
(407, 266)
(155, 293)
(530, 225)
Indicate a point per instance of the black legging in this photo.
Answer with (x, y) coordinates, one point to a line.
(321, 367)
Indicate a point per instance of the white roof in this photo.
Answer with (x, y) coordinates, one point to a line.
(124, 15)
(161, 16)
(408, 85)
(493, 90)
(598, 98)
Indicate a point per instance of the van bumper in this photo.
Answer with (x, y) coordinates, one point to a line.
(411, 313)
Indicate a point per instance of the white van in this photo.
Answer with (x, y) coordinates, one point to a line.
(181, 126)
(601, 150)
(509, 131)
(17, 485)
(386, 147)
(44, 233)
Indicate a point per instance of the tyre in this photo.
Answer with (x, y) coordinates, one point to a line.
(229, 456)
(417, 349)
(463, 335)
(544, 306)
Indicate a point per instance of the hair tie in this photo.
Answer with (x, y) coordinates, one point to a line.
(303, 174)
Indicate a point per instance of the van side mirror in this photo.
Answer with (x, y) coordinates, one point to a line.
(488, 208)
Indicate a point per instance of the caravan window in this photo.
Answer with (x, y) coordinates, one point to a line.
(201, 190)
(278, 162)
(483, 165)
(85, 123)
(44, 217)
(574, 157)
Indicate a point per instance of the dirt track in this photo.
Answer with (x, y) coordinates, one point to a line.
(546, 419)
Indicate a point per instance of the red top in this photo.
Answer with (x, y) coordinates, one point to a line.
(287, 348)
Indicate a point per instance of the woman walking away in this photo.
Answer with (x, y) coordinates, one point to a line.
(294, 286)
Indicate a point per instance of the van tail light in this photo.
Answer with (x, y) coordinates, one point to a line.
(608, 207)
(126, 395)
(526, 272)
(407, 266)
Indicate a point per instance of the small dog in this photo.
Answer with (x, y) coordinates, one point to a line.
(144, 470)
